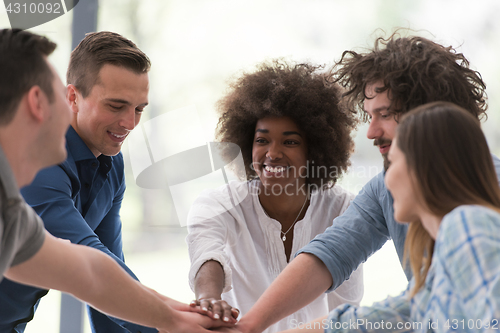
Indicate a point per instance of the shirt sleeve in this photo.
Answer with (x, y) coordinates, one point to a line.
(207, 235)
(32, 233)
(468, 247)
(351, 290)
(353, 236)
(51, 196)
(109, 230)
(391, 315)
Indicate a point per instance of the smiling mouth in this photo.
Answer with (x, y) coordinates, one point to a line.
(118, 137)
(276, 169)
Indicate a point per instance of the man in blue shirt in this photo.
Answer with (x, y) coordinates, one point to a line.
(34, 118)
(80, 199)
(399, 74)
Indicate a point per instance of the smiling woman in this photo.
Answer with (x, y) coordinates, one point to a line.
(295, 139)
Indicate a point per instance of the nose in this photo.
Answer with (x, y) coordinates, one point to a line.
(129, 119)
(374, 130)
(274, 152)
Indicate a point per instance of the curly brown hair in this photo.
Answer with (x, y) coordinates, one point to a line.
(415, 70)
(300, 92)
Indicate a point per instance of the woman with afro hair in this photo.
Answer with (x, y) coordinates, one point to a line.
(295, 141)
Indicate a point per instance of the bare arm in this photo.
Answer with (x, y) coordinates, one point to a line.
(301, 282)
(95, 278)
(209, 281)
(208, 287)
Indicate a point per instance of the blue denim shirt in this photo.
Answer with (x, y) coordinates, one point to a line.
(78, 200)
(361, 231)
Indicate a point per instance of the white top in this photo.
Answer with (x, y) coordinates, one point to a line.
(247, 243)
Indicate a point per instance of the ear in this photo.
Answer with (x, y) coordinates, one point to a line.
(38, 103)
(72, 96)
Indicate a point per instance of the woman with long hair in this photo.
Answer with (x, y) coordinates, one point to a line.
(295, 141)
(444, 184)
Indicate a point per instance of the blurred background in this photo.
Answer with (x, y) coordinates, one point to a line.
(197, 46)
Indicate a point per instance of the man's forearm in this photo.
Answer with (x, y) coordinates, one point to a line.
(95, 278)
(301, 282)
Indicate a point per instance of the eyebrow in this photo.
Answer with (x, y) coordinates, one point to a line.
(259, 130)
(381, 108)
(122, 101)
(292, 133)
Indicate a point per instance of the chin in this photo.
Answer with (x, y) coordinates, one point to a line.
(400, 218)
(111, 151)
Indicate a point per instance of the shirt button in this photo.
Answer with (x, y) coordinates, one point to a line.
(87, 185)
(94, 164)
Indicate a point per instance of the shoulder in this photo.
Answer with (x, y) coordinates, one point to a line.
(374, 194)
(336, 195)
(473, 215)
(221, 194)
(213, 202)
(55, 176)
(468, 222)
(376, 186)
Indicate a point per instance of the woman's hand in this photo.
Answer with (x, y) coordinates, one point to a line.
(215, 309)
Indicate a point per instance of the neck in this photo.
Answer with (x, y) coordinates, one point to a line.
(283, 207)
(431, 223)
(21, 146)
(23, 167)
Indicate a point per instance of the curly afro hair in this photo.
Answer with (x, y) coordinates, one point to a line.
(300, 92)
(415, 70)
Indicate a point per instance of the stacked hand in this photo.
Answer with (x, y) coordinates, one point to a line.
(191, 319)
(215, 309)
(192, 322)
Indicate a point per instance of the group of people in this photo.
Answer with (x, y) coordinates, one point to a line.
(288, 255)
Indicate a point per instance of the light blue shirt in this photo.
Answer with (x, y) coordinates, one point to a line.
(462, 289)
(361, 231)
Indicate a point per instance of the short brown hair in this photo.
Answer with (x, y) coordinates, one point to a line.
(446, 151)
(22, 66)
(98, 49)
(415, 70)
(297, 91)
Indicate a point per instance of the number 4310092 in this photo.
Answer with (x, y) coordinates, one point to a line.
(34, 8)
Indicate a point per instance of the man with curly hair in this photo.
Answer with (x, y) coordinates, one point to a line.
(295, 139)
(399, 74)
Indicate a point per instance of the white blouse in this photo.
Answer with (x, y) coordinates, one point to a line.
(230, 226)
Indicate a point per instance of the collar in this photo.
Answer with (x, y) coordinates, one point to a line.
(7, 177)
(78, 148)
(81, 152)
